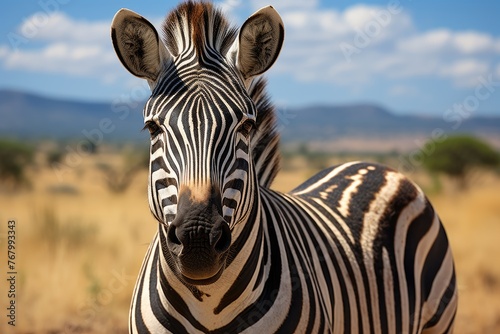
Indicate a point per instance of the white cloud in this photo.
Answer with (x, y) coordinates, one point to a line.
(333, 46)
(282, 6)
(365, 17)
(59, 27)
(445, 40)
(61, 57)
(473, 42)
(57, 43)
(465, 72)
(429, 42)
(364, 43)
(465, 67)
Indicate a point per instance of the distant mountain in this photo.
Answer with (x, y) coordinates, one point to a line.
(29, 116)
(368, 121)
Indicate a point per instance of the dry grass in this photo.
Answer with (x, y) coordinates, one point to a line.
(79, 250)
(472, 220)
(80, 247)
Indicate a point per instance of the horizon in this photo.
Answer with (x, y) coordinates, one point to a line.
(406, 57)
(312, 105)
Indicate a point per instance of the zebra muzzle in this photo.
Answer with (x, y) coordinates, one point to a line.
(199, 249)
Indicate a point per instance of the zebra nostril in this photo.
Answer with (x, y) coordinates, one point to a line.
(172, 236)
(224, 238)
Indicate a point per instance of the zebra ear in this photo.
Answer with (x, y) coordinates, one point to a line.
(259, 42)
(137, 45)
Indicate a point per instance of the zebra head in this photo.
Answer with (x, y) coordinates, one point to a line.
(203, 122)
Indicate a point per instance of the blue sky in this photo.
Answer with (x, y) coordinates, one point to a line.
(410, 56)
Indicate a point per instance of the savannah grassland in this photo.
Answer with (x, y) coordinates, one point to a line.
(80, 246)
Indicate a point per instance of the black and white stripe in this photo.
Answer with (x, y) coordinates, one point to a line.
(356, 249)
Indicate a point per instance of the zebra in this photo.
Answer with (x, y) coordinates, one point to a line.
(356, 248)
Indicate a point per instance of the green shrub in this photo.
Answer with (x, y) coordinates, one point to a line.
(14, 157)
(457, 156)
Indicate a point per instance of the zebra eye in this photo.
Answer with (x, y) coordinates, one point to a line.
(247, 127)
(153, 128)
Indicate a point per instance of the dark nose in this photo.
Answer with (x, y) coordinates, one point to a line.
(209, 239)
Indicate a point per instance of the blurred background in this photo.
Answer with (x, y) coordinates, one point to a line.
(411, 84)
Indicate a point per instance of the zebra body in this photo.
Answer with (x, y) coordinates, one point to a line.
(356, 249)
(352, 279)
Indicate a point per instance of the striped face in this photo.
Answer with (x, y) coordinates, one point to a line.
(201, 119)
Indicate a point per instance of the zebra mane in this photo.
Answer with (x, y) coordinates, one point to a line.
(200, 22)
(265, 142)
(207, 26)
